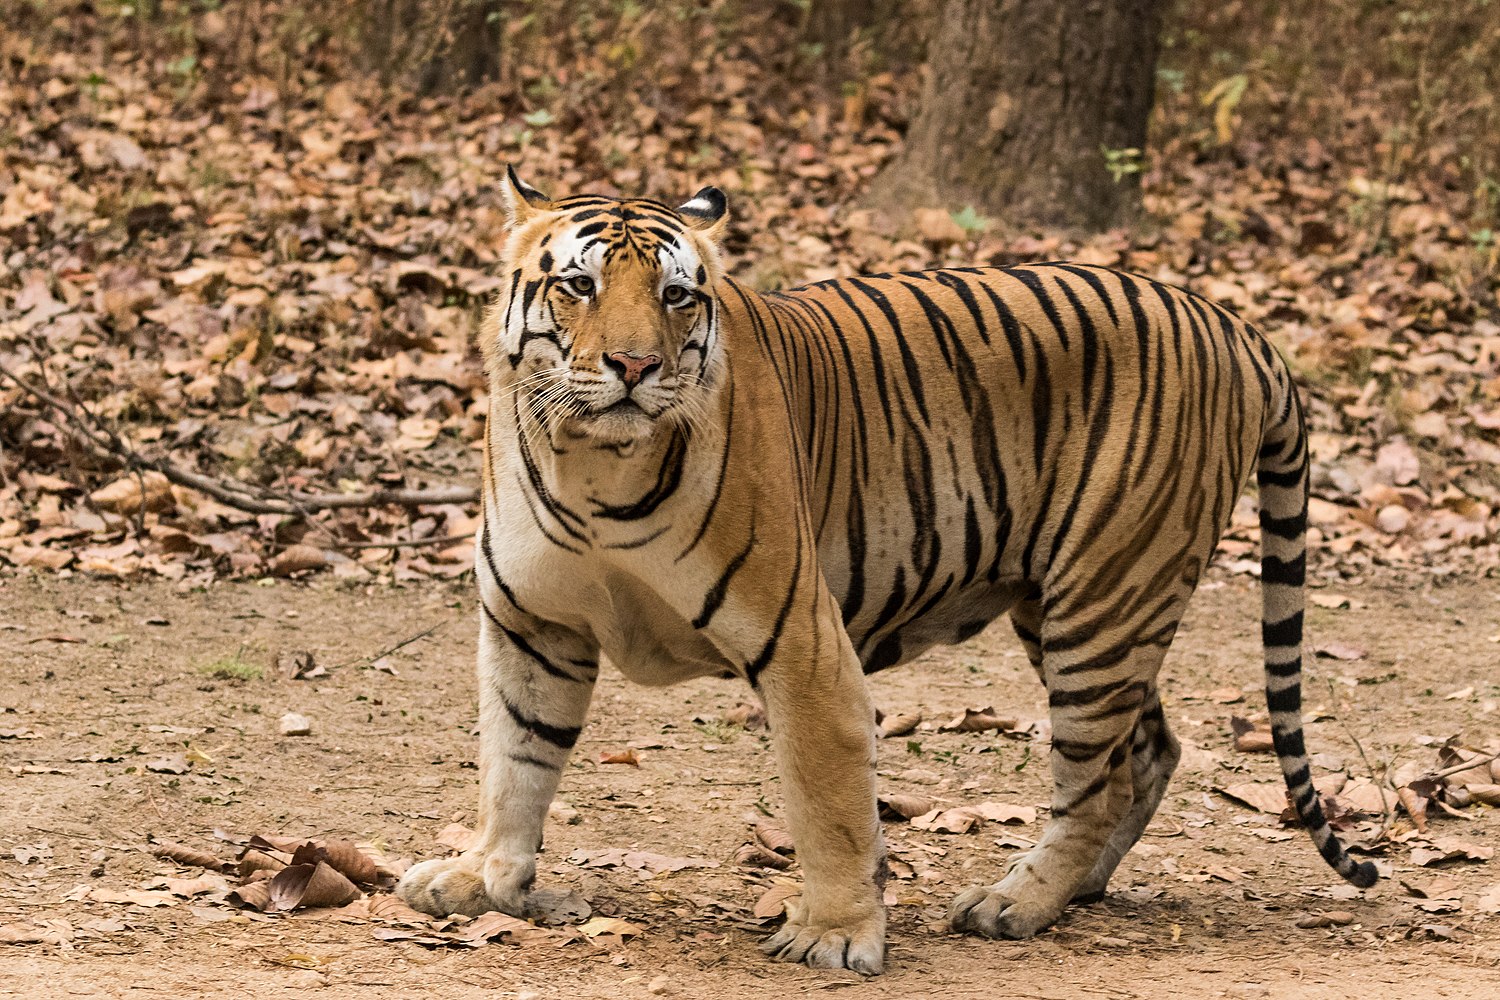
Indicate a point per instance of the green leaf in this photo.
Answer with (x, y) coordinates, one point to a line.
(970, 221)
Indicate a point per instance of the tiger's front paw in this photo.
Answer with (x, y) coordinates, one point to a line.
(469, 884)
(858, 945)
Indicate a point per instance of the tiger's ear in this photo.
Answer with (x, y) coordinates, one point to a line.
(522, 201)
(707, 211)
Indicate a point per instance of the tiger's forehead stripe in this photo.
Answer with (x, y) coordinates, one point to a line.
(608, 228)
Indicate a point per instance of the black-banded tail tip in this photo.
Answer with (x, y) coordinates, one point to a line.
(1364, 875)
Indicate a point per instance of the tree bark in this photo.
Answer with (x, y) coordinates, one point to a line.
(437, 48)
(1023, 98)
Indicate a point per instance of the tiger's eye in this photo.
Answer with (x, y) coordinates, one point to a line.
(581, 285)
(674, 295)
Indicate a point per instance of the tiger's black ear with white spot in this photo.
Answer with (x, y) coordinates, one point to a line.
(522, 201)
(707, 211)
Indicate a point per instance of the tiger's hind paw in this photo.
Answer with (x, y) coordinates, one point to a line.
(467, 885)
(988, 911)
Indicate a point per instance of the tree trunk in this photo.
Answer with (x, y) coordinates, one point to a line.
(471, 54)
(1023, 99)
(437, 48)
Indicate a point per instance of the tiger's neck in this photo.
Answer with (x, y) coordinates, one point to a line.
(585, 495)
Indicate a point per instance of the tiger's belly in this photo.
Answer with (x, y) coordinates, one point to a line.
(949, 619)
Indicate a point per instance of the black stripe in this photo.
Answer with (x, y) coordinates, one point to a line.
(755, 666)
(717, 592)
(713, 505)
(908, 359)
(668, 478)
(1290, 528)
(562, 737)
(548, 667)
(1288, 699)
(526, 758)
(1288, 571)
(1285, 480)
(1287, 632)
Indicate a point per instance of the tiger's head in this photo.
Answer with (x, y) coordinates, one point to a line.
(607, 326)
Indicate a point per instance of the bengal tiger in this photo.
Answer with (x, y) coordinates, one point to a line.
(803, 487)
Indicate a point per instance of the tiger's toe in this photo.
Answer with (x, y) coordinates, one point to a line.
(990, 912)
(465, 885)
(860, 948)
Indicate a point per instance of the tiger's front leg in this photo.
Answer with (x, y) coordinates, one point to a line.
(533, 699)
(823, 730)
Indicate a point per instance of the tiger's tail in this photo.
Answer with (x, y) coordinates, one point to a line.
(1282, 476)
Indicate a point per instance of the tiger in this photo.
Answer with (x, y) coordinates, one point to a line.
(802, 487)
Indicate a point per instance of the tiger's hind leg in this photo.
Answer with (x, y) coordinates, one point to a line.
(1097, 698)
(1154, 753)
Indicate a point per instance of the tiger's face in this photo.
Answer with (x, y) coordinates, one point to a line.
(608, 329)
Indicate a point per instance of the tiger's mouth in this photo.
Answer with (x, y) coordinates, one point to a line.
(614, 424)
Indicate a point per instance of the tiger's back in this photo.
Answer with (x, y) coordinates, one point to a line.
(972, 433)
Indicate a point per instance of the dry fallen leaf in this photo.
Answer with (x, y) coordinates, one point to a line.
(1266, 797)
(1251, 738)
(293, 724)
(252, 861)
(133, 897)
(772, 902)
(176, 763)
(300, 665)
(626, 756)
(959, 820)
(896, 805)
(746, 715)
(557, 906)
(975, 720)
(347, 859)
(756, 856)
(1445, 849)
(1340, 651)
(187, 887)
(55, 932)
(645, 861)
(1363, 796)
(493, 925)
(457, 837)
(1000, 812)
(610, 927)
(775, 837)
(310, 885)
(191, 856)
(900, 724)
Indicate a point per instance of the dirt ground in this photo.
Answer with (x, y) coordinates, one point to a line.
(99, 679)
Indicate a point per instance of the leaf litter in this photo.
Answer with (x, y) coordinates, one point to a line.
(337, 879)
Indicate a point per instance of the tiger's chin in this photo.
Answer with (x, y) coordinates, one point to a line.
(622, 426)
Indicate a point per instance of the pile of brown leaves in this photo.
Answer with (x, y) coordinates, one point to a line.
(276, 282)
(339, 880)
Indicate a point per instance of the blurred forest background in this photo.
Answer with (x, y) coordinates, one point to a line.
(244, 245)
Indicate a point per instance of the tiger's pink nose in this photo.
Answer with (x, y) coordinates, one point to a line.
(632, 367)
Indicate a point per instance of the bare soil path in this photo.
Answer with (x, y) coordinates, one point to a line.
(98, 680)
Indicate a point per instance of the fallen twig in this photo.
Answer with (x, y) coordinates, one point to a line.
(388, 650)
(107, 443)
(1388, 817)
(1464, 766)
(410, 543)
